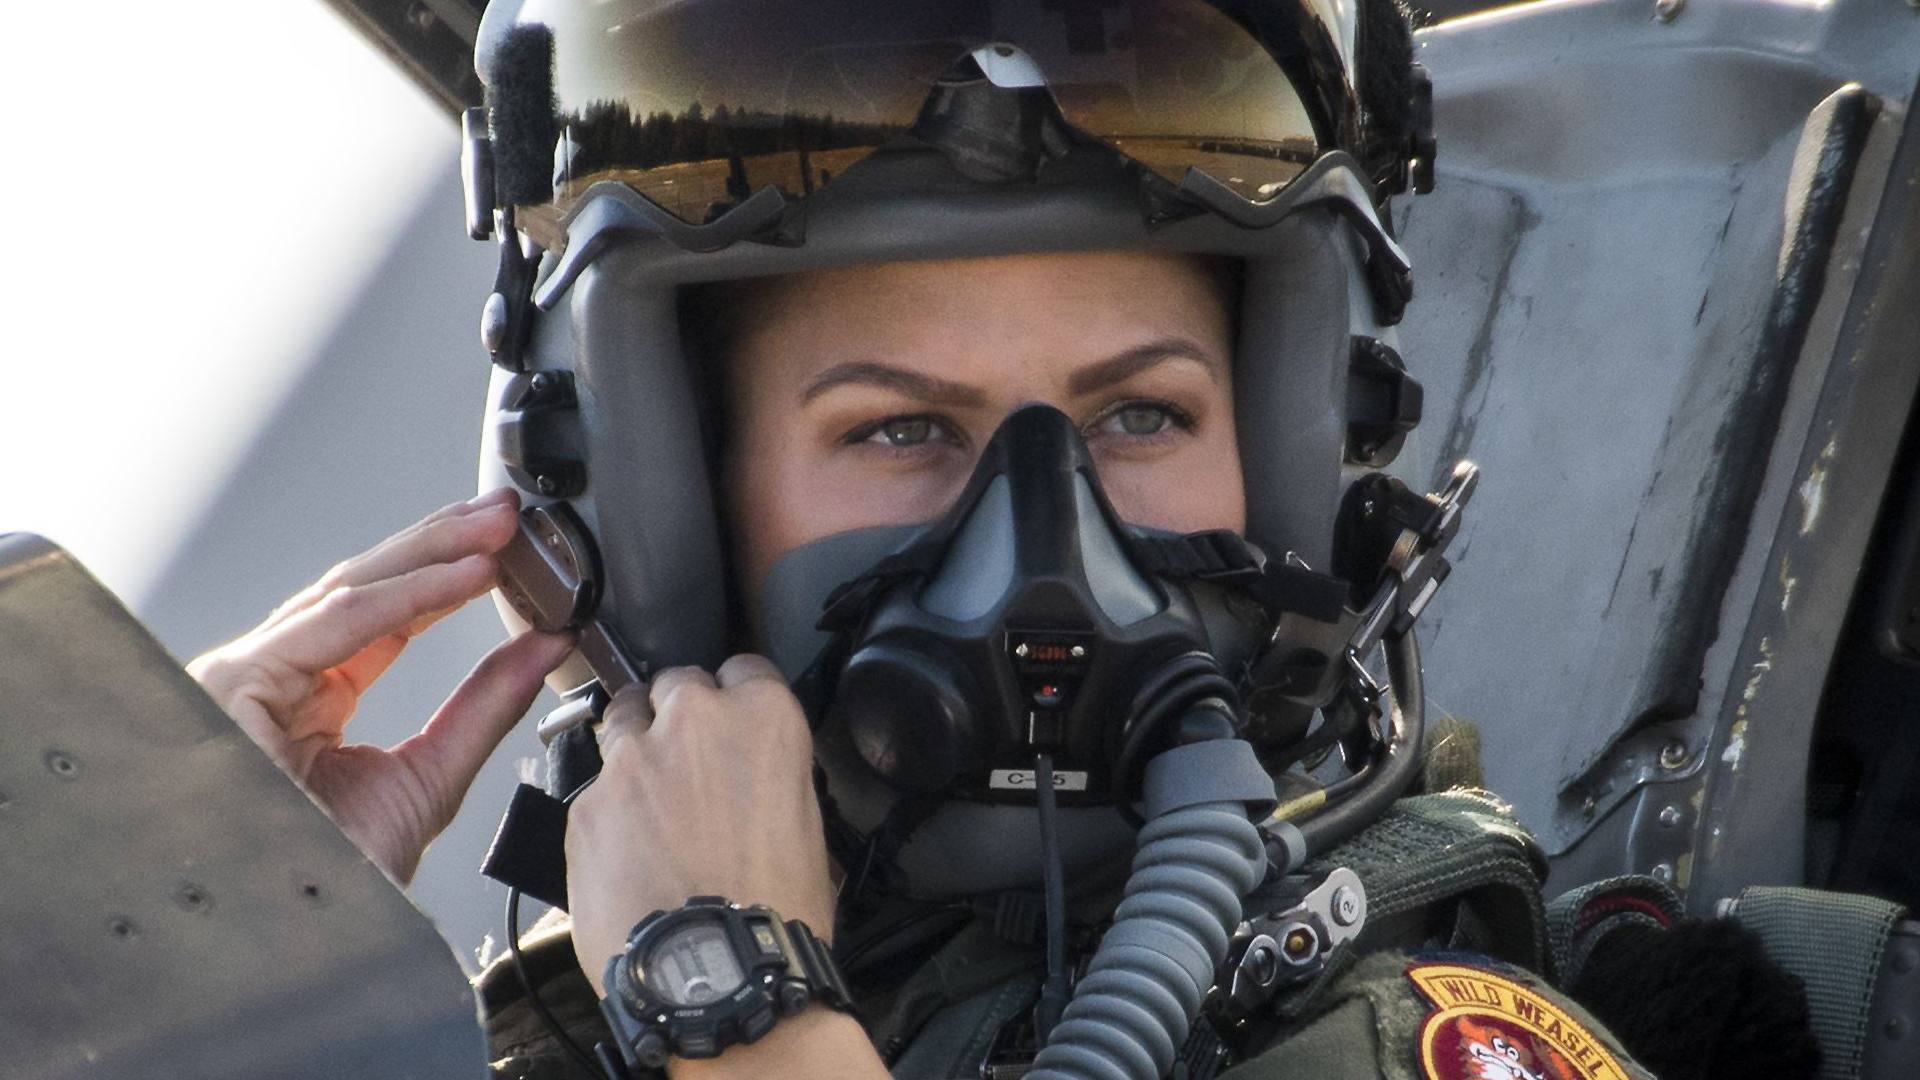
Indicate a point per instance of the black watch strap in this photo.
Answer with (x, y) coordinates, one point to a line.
(785, 965)
(816, 964)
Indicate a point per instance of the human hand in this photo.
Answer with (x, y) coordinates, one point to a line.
(292, 682)
(707, 789)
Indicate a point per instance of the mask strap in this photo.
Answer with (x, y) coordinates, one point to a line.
(1220, 555)
(869, 860)
(845, 844)
(847, 604)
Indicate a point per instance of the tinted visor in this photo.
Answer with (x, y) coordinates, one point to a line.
(697, 104)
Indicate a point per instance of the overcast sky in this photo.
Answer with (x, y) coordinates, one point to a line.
(191, 194)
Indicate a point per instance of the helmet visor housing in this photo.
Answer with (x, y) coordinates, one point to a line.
(697, 104)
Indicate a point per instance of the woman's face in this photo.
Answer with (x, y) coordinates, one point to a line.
(862, 396)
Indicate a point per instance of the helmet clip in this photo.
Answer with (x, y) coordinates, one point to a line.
(506, 320)
(1399, 539)
(1383, 403)
(1416, 531)
(476, 172)
(550, 576)
(524, 434)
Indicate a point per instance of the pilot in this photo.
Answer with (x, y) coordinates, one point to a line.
(960, 436)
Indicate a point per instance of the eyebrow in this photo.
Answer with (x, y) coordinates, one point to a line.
(911, 383)
(935, 391)
(1118, 369)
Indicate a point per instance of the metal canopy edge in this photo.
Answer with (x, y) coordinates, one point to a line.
(175, 905)
(430, 40)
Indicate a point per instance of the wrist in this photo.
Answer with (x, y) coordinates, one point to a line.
(819, 1042)
(603, 921)
(709, 976)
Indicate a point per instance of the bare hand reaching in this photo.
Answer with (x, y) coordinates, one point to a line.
(707, 789)
(293, 682)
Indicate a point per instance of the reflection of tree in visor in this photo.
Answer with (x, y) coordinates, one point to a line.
(697, 104)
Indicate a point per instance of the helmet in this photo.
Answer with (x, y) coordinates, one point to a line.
(631, 149)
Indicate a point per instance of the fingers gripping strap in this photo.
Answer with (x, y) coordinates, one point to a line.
(1207, 772)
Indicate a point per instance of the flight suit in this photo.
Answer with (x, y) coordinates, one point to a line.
(1443, 982)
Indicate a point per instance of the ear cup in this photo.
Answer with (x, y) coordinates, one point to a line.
(649, 496)
(1289, 385)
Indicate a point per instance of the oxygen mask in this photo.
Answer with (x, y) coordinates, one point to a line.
(1028, 621)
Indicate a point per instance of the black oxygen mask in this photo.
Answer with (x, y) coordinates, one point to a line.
(1027, 621)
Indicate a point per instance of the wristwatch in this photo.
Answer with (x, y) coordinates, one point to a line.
(708, 975)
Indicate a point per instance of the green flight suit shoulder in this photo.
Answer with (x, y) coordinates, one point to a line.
(1441, 1016)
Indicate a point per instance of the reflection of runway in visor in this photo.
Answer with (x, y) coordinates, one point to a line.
(1181, 84)
(1254, 169)
(689, 188)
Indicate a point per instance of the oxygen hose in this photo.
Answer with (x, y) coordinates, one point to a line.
(1198, 854)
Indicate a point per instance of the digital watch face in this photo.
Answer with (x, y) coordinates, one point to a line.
(694, 965)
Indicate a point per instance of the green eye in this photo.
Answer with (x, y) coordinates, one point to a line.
(1142, 420)
(905, 431)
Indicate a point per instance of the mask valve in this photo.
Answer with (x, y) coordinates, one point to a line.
(1049, 668)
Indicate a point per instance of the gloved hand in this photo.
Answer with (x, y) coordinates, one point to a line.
(292, 682)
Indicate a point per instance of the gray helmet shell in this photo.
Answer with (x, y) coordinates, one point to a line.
(649, 495)
(609, 315)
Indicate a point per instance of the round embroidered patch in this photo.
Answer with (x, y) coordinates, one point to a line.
(1486, 1026)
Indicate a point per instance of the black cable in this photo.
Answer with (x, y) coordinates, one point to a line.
(573, 1049)
(1395, 770)
(1347, 785)
(1054, 992)
(1322, 738)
